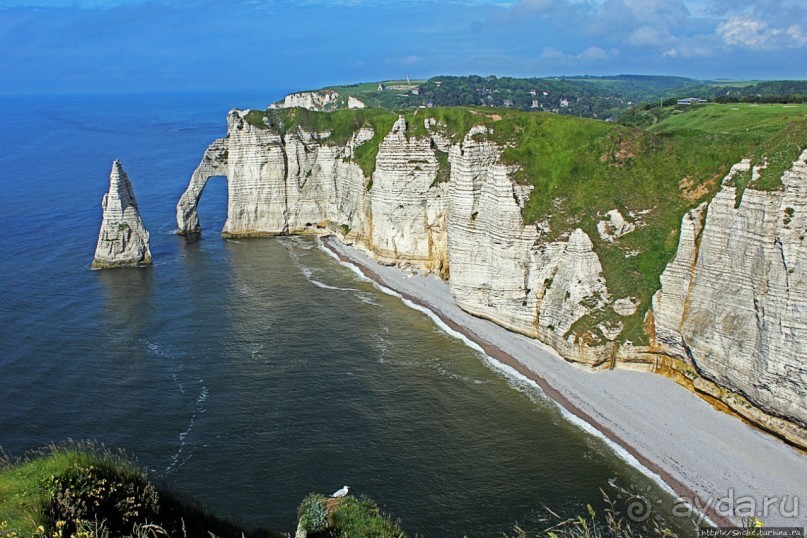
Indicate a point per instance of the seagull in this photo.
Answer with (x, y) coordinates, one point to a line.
(341, 493)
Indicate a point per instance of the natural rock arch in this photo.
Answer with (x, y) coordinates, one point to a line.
(214, 163)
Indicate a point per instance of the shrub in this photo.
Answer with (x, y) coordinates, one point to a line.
(119, 497)
(354, 517)
(313, 514)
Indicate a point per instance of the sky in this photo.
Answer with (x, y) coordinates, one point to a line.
(65, 46)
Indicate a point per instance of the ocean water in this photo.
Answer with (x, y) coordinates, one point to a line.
(247, 373)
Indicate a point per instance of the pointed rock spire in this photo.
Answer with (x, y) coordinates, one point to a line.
(122, 241)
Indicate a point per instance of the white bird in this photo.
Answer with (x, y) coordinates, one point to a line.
(341, 493)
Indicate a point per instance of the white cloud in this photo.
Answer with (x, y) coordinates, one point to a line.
(591, 54)
(758, 34)
(552, 54)
(685, 50)
(744, 31)
(796, 34)
(648, 36)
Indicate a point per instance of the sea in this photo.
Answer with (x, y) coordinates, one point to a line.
(246, 373)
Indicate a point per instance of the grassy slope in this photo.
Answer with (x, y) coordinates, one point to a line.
(600, 168)
(580, 169)
(22, 483)
(22, 493)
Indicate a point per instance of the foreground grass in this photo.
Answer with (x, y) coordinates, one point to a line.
(85, 491)
(81, 490)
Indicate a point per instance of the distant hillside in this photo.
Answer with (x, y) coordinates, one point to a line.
(584, 96)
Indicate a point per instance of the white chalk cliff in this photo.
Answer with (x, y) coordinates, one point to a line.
(122, 241)
(731, 312)
(734, 300)
(314, 100)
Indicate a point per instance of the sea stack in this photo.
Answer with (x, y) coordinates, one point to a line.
(122, 241)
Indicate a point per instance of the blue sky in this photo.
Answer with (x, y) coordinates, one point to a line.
(132, 45)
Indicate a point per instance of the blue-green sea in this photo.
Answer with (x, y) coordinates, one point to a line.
(247, 373)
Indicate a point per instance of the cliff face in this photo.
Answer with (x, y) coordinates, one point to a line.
(315, 100)
(731, 314)
(122, 241)
(503, 270)
(734, 300)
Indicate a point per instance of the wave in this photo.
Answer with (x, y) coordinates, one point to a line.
(176, 369)
(329, 287)
(291, 243)
(176, 460)
(367, 299)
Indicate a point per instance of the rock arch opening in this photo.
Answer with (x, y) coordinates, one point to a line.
(214, 164)
(213, 202)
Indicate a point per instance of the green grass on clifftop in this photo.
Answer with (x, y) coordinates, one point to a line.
(346, 517)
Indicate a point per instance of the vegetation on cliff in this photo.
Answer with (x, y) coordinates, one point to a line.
(345, 517)
(333, 128)
(85, 491)
(666, 161)
(82, 490)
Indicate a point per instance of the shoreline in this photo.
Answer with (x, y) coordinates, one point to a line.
(701, 491)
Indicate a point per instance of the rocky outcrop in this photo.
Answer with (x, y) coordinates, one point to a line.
(614, 226)
(122, 241)
(732, 305)
(315, 100)
(734, 300)
(354, 103)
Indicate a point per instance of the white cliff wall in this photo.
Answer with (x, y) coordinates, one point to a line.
(123, 240)
(300, 183)
(501, 269)
(316, 100)
(734, 300)
(323, 188)
(407, 209)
